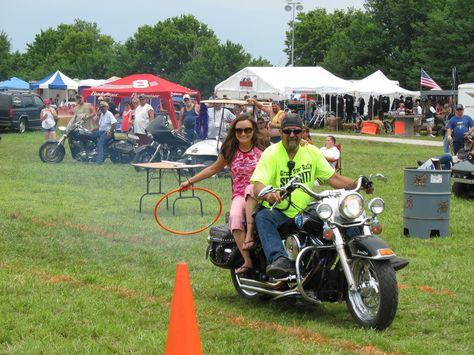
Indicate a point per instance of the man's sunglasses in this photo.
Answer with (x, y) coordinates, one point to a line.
(294, 131)
(246, 130)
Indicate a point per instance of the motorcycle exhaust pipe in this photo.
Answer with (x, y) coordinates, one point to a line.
(266, 285)
(274, 293)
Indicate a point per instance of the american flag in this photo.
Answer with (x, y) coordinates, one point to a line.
(426, 81)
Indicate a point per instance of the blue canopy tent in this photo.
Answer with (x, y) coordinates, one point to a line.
(14, 83)
(57, 85)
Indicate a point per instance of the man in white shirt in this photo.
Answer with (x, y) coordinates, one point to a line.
(215, 117)
(330, 151)
(107, 124)
(143, 115)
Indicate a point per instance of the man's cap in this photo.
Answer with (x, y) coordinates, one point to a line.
(104, 104)
(459, 107)
(293, 120)
(141, 96)
(186, 96)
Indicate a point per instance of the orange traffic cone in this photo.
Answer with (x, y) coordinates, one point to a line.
(183, 332)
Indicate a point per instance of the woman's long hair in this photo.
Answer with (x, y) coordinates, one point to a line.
(231, 144)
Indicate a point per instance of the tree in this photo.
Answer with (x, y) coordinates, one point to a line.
(445, 41)
(78, 49)
(4, 56)
(186, 51)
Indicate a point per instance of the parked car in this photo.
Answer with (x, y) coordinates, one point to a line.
(20, 110)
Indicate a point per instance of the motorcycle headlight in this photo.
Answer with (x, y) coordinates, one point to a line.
(352, 206)
(324, 211)
(376, 205)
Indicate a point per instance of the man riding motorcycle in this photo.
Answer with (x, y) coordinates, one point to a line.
(277, 165)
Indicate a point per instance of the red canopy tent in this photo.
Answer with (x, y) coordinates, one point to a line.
(151, 86)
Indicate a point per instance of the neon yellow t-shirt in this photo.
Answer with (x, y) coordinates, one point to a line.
(272, 169)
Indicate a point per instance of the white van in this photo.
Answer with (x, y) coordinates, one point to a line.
(466, 98)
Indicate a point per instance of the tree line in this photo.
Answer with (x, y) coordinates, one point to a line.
(397, 36)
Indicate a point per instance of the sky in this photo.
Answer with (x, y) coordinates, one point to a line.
(258, 25)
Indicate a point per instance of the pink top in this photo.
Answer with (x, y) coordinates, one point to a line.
(125, 121)
(241, 168)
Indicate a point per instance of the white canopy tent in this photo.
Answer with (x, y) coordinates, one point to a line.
(279, 83)
(376, 84)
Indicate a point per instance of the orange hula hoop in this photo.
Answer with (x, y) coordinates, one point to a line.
(197, 230)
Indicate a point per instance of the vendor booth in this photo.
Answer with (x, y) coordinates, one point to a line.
(153, 87)
(56, 86)
(279, 83)
(14, 83)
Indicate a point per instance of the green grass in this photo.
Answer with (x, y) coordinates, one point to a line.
(81, 271)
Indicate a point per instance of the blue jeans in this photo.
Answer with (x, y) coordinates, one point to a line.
(267, 222)
(446, 161)
(445, 143)
(101, 142)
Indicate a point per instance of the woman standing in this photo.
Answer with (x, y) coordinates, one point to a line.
(48, 117)
(127, 117)
(240, 151)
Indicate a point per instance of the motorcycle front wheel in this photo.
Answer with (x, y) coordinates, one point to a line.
(52, 152)
(145, 156)
(374, 303)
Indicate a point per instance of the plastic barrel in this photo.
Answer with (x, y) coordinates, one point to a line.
(427, 200)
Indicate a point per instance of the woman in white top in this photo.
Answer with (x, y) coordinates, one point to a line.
(48, 117)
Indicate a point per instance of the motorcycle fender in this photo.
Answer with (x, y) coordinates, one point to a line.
(369, 247)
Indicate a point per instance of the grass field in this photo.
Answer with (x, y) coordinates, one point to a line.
(81, 271)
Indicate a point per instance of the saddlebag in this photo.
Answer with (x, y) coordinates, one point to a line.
(222, 249)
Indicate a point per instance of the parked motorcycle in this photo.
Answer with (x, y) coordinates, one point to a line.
(83, 146)
(337, 256)
(463, 170)
(166, 144)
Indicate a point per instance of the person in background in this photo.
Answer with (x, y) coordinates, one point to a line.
(143, 115)
(127, 123)
(458, 126)
(430, 112)
(306, 135)
(448, 113)
(276, 116)
(263, 130)
(48, 118)
(107, 124)
(187, 117)
(240, 151)
(418, 111)
(330, 151)
(86, 112)
(216, 113)
(112, 108)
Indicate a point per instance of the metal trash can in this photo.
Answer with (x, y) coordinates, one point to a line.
(426, 202)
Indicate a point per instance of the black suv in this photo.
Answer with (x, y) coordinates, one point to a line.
(20, 110)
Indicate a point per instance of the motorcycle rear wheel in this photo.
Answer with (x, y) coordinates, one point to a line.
(375, 302)
(51, 152)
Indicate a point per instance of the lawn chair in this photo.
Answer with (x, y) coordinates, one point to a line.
(338, 167)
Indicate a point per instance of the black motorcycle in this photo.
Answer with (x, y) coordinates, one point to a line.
(83, 146)
(336, 252)
(166, 144)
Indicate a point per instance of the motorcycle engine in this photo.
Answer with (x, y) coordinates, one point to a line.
(122, 147)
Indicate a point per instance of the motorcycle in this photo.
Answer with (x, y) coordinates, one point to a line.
(463, 170)
(83, 145)
(166, 144)
(336, 252)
